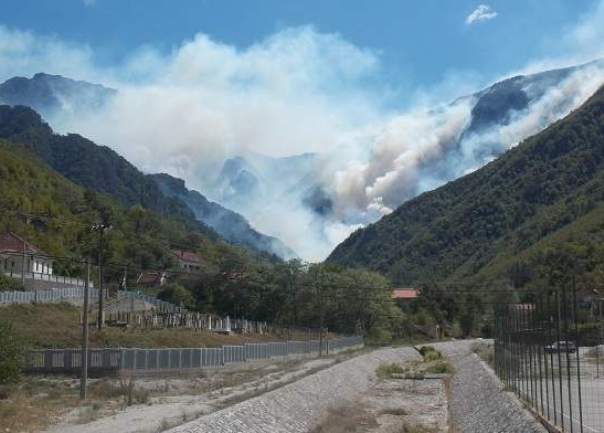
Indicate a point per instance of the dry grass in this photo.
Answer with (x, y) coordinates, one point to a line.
(389, 370)
(32, 405)
(58, 325)
(417, 428)
(485, 351)
(346, 419)
(396, 411)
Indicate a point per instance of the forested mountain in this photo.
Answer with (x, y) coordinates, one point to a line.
(93, 167)
(230, 225)
(52, 94)
(56, 215)
(549, 189)
(101, 169)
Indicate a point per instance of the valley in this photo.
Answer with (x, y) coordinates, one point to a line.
(321, 218)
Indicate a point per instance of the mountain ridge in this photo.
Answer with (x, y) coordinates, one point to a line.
(229, 224)
(473, 224)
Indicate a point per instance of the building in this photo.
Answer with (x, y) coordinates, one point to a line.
(405, 295)
(188, 261)
(151, 279)
(16, 251)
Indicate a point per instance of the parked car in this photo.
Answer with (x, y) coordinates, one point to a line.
(561, 346)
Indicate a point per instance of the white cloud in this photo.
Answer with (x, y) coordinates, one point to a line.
(296, 91)
(481, 14)
(25, 53)
(89, 2)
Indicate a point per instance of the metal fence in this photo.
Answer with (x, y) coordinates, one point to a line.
(111, 361)
(548, 352)
(38, 276)
(48, 296)
(68, 294)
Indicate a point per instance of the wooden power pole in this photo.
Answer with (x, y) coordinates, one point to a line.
(84, 363)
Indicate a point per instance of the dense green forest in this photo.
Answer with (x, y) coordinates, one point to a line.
(498, 223)
(96, 168)
(56, 215)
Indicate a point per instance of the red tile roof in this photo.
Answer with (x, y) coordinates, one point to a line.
(12, 243)
(405, 293)
(187, 256)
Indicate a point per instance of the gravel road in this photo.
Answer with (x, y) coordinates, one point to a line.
(477, 401)
(297, 407)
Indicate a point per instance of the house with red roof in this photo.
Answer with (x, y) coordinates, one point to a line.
(188, 261)
(405, 295)
(16, 252)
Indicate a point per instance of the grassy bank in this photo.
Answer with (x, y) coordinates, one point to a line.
(58, 326)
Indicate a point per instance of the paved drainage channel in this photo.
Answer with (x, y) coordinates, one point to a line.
(477, 401)
(298, 407)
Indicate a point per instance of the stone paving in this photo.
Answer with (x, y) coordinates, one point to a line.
(297, 407)
(477, 400)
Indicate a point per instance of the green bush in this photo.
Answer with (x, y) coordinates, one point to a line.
(379, 336)
(176, 294)
(388, 370)
(440, 367)
(9, 284)
(11, 354)
(432, 356)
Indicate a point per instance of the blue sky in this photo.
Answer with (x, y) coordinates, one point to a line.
(367, 85)
(418, 42)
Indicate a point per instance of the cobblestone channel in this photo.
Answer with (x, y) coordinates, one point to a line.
(297, 407)
(477, 401)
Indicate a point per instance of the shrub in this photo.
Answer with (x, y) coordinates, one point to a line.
(432, 356)
(426, 349)
(11, 354)
(176, 294)
(485, 351)
(440, 367)
(386, 371)
(10, 284)
(379, 336)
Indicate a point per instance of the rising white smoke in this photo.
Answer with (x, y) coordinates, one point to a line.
(421, 150)
(297, 91)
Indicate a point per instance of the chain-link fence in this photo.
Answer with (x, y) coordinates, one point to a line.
(108, 361)
(548, 351)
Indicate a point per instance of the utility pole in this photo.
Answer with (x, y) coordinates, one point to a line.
(100, 228)
(321, 319)
(23, 264)
(84, 372)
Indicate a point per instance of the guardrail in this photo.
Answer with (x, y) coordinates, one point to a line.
(112, 361)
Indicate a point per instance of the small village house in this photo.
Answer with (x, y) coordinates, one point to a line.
(188, 261)
(404, 296)
(151, 279)
(16, 252)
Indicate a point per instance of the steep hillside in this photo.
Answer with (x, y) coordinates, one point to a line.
(56, 215)
(93, 167)
(549, 185)
(53, 94)
(230, 225)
